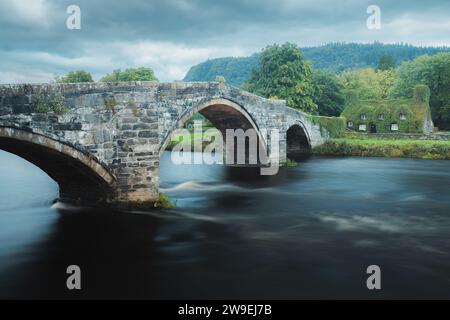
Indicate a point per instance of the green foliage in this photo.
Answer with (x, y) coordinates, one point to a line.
(137, 74)
(339, 57)
(284, 73)
(291, 163)
(422, 93)
(335, 126)
(235, 70)
(433, 71)
(368, 83)
(387, 62)
(414, 111)
(110, 103)
(75, 77)
(333, 57)
(46, 103)
(328, 93)
(439, 150)
(164, 202)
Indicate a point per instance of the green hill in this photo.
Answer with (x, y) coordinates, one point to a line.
(336, 57)
(235, 70)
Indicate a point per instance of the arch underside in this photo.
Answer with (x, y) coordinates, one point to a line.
(298, 145)
(225, 115)
(76, 180)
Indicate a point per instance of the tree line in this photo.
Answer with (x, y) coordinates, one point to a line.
(132, 74)
(334, 57)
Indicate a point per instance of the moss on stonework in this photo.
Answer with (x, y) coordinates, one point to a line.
(110, 104)
(378, 115)
(136, 112)
(291, 163)
(164, 202)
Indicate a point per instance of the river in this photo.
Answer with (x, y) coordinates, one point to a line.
(309, 232)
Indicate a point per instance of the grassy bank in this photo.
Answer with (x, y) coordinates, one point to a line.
(366, 147)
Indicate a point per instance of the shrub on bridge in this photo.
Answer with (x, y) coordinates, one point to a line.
(50, 103)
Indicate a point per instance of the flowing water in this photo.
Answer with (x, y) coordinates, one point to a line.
(309, 232)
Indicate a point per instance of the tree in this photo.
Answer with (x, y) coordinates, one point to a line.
(387, 62)
(328, 93)
(136, 74)
(433, 71)
(75, 77)
(283, 73)
(368, 83)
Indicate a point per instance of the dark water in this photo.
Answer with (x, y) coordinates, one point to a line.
(309, 232)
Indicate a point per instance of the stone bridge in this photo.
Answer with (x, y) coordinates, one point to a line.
(103, 141)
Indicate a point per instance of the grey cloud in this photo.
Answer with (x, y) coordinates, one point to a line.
(193, 30)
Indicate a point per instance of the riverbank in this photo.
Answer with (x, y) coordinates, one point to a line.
(390, 148)
(436, 147)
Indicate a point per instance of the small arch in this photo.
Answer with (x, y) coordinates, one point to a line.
(78, 174)
(298, 143)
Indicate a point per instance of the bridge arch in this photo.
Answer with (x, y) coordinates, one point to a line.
(223, 114)
(79, 175)
(298, 141)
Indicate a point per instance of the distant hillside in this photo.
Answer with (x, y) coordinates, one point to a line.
(235, 70)
(336, 57)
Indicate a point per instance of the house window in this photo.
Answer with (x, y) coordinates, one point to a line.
(350, 124)
(381, 116)
(363, 116)
(394, 127)
(402, 116)
(362, 127)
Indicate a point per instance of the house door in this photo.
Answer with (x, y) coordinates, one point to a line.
(373, 128)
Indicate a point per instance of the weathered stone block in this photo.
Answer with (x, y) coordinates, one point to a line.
(148, 134)
(128, 134)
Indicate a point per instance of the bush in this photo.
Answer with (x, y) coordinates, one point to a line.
(50, 103)
(133, 74)
(75, 77)
(164, 202)
(291, 163)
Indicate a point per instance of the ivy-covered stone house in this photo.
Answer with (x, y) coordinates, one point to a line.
(390, 115)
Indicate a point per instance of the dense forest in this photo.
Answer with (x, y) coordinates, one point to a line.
(334, 57)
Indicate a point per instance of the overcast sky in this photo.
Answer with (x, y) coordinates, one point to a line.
(172, 35)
